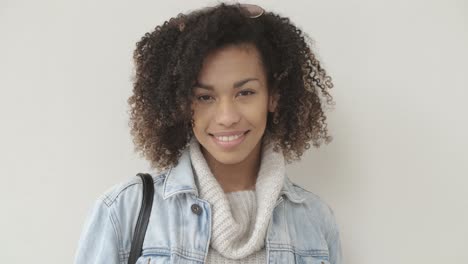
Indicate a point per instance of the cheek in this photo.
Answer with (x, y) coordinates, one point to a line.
(256, 115)
(201, 117)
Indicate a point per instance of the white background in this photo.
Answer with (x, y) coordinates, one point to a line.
(395, 174)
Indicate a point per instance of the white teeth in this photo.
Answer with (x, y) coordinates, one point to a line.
(229, 138)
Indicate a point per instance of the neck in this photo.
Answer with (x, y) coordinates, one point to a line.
(236, 177)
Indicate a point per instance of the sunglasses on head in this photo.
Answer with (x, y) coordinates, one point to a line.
(252, 11)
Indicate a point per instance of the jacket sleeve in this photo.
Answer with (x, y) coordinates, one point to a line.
(334, 241)
(99, 240)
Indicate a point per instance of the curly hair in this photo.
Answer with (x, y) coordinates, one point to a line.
(169, 58)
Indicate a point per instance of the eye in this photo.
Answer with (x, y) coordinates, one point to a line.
(246, 92)
(203, 98)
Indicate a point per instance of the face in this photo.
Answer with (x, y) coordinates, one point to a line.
(231, 102)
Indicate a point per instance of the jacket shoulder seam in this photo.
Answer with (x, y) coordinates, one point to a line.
(113, 194)
(310, 194)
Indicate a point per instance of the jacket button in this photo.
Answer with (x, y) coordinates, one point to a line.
(196, 209)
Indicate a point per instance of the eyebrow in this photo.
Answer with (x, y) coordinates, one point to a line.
(236, 84)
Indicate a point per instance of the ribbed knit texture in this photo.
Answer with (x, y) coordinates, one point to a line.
(239, 222)
(244, 209)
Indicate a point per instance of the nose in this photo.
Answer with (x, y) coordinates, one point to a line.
(227, 113)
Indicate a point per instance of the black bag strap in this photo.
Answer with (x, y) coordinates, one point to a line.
(143, 217)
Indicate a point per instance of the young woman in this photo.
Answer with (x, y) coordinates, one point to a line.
(223, 97)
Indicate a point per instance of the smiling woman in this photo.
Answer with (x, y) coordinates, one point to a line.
(223, 97)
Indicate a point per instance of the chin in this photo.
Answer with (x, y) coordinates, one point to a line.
(229, 158)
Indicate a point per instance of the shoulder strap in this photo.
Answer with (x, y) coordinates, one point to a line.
(143, 217)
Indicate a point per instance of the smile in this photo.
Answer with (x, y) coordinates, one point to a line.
(228, 138)
(228, 142)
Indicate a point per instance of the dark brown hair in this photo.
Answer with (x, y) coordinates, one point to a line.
(168, 60)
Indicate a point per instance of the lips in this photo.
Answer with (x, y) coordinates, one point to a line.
(228, 145)
(230, 133)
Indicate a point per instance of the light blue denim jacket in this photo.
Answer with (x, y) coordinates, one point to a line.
(302, 228)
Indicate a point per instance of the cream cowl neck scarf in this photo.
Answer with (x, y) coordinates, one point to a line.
(229, 237)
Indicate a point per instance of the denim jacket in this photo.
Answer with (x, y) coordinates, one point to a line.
(302, 227)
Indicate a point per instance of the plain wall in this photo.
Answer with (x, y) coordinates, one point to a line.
(395, 173)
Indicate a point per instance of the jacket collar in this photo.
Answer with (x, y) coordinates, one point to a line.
(180, 179)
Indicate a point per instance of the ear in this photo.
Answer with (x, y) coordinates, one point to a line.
(273, 102)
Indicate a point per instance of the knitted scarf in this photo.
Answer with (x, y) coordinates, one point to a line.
(228, 237)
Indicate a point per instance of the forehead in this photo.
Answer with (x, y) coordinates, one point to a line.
(230, 63)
